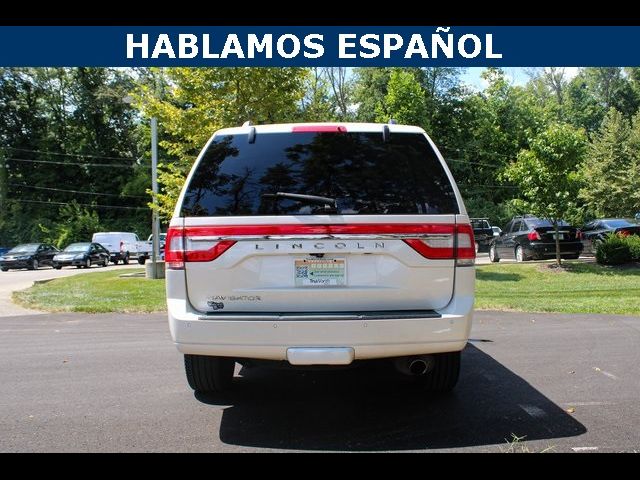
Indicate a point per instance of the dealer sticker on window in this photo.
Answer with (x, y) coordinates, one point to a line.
(320, 272)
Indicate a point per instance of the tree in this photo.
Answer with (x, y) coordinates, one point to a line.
(404, 102)
(611, 170)
(198, 101)
(546, 173)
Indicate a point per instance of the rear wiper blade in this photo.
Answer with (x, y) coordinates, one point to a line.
(328, 203)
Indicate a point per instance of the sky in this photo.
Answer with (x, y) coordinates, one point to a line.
(516, 75)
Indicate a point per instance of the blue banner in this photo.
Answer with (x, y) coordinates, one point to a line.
(507, 46)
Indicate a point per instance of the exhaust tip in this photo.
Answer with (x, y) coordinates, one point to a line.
(417, 367)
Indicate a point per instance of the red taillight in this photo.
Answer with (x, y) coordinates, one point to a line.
(534, 235)
(191, 245)
(579, 235)
(319, 128)
(446, 242)
(624, 233)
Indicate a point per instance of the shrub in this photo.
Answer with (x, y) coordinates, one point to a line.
(614, 250)
(634, 246)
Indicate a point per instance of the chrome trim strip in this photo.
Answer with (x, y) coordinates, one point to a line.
(319, 316)
(385, 236)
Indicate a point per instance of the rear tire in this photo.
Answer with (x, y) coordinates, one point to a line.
(444, 375)
(493, 254)
(572, 257)
(34, 265)
(87, 264)
(141, 260)
(125, 260)
(4, 269)
(519, 254)
(209, 374)
(57, 267)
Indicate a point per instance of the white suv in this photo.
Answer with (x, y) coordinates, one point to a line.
(320, 244)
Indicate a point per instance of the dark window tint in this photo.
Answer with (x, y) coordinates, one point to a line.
(618, 223)
(516, 226)
(541, 223)
(366, 175)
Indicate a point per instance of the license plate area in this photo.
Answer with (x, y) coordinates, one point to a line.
(320, 272)
(558, 236)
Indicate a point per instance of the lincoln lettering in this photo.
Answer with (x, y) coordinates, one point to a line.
(322, 246)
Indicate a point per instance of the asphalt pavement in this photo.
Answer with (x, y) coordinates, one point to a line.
(115, 383)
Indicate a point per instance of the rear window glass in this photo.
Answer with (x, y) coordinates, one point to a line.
(541, 223)
(364, 174)
(617, 223)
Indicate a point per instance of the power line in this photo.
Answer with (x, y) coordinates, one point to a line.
(79, 155)
(74, 191)
(70, 163)
(81, 204)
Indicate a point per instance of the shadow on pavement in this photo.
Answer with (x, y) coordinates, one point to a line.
(373, 408)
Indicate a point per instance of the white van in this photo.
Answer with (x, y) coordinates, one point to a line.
(320, 244)
(122, 246)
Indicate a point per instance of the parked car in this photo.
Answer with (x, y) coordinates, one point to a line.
(28, 255)
(528, 237)
(320, 244)
(82, 255)
(482, 232)
(123, 246)
(496, 231)
(596, 231)
(162, 238)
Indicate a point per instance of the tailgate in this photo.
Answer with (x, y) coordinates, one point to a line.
(314, 267)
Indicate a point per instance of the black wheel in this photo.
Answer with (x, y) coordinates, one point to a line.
(57, 267)
(34, 265)
(105, 262)
(87, 263)
(125, 260)
(142, 260)
(520, 256)
(493, 254)
(115, 262)
(209, 374)
(4, 269)
(572, 257)
(78, 266)
(444, 375)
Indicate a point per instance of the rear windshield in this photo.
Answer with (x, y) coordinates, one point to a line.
(479, 224)
(364, 174)
(541, 223)
(618, 223)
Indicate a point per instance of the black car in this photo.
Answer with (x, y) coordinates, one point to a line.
(482, 232)
(528, 237)
(596, 231)
(82, 255)
(28, 255)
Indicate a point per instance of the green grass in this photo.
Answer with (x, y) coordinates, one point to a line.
(582, 288)
(96, 293)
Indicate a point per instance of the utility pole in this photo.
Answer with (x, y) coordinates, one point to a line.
(155, 221)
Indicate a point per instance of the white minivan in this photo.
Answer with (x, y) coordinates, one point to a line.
(320, 244)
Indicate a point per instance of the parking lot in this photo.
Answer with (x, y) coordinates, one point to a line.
(76, 382)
